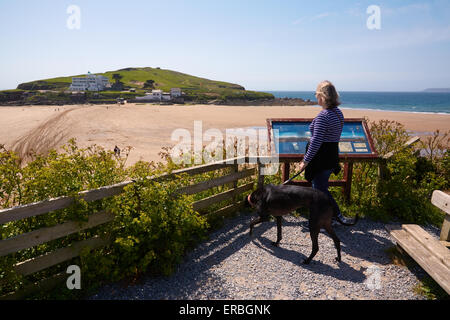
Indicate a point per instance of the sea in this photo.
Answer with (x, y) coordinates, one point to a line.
(422, 102)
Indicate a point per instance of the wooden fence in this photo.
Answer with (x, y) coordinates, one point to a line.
(43, 235)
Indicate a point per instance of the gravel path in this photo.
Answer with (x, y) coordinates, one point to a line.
(233, 265)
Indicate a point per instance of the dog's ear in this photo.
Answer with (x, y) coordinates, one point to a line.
(258, 193)
(246, 203)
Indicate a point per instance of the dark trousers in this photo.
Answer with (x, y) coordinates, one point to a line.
(320, 182)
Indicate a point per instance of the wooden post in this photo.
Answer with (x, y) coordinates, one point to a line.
(383, 172)
(445, 231)
(260, 176)
(234, 169)
(442, 201)
(348, 173)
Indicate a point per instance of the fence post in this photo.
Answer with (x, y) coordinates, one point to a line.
(234, 169)
(383, 172)
(260, 176)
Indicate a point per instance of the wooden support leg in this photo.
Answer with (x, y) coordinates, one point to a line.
(445, 231)
(383, 171)
(442, 201)
(348, 173)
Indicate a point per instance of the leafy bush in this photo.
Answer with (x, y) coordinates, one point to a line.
(56, 174)
(246, 95)
(151, 231)
(153, 227)
(411, 178)
(10, 175)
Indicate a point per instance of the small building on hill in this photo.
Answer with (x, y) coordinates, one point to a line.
(90, 82)
(166, 96)
(175, 92)
(159, 95)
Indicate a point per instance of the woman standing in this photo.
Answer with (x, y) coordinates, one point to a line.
(322, 152)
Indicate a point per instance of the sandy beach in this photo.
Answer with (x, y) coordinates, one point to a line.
(148, 128)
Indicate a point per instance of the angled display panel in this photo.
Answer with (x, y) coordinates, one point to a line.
(288, 137)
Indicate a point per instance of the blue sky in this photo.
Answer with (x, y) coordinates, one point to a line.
(262, 45)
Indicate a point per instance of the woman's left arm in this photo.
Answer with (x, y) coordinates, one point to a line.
(320, 128)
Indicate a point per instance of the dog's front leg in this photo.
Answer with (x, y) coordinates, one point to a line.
(255, 222)
(279, 220)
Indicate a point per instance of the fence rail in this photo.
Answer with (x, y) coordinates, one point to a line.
(73, 250)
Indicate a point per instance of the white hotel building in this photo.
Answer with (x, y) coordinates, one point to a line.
(91, 82)
(159, 95)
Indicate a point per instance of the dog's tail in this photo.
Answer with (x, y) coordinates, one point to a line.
(345, 221)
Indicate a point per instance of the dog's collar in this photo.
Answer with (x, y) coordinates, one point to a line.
(250, 201)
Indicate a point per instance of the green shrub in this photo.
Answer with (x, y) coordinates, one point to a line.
(153, 228)
(411, 178)
(10, 176)
(151, 231)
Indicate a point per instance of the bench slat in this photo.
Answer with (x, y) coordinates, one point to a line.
(427, 240)
(435, 268)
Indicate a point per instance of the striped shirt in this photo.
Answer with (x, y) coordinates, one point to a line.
(326, 127)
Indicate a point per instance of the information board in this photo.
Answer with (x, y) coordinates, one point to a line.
(290, 136)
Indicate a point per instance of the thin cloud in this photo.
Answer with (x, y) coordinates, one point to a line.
(298, 21)
(313, 18)
(322, 15)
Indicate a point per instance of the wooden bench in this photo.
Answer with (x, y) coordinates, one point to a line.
(431, 254)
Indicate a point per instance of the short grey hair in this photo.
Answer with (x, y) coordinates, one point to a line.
(329, 93)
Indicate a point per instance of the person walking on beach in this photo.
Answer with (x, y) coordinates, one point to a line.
(322, 151)
(117, 151)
